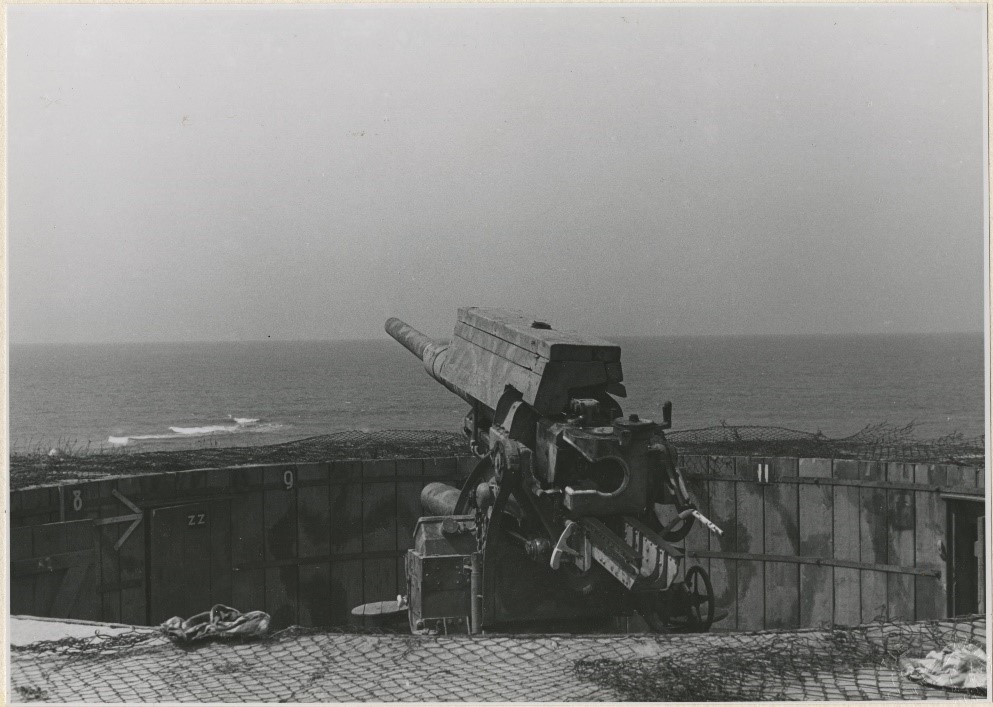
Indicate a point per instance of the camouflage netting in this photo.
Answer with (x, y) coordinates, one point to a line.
(881, 442)
(306, 665)
(878, 442)
(37, 468)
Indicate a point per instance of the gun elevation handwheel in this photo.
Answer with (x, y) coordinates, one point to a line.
(687, 606)
(699, 599)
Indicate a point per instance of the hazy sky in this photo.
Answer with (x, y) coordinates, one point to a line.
(302, 172)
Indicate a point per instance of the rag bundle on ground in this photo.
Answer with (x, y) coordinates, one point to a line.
(958, 666)
(220, 622)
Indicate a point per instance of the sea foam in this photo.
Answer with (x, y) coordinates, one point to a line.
(209, 429)
(242, 424)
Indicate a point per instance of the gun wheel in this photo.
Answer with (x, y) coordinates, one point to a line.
(686, 607)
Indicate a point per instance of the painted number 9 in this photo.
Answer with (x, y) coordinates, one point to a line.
(77, 500)
(288, 479)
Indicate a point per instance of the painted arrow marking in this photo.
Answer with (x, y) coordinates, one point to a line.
(135, 517)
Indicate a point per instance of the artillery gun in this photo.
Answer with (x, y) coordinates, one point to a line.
(574, 510)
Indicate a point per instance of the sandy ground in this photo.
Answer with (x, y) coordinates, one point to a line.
(24, 630)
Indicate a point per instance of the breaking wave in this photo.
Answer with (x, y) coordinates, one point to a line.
(209, 429)
(241, 425)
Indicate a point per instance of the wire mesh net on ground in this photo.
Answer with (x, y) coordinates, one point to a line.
(306, 665)
(879, 442)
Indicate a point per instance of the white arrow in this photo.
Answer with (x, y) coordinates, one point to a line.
(135, 517)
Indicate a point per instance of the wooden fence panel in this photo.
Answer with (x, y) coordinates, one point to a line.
(38, 506)
(281, 595)
(873, 541)
(121, 543)
(410, 481)
(379, 529)
(314, 586)
(313, 511)
(221, 563)
(179, 567)
(133, 572)
(816, 528)
(21, 587)
(14, 509)
(346, 507)
(280, 513)
(80, 501)
(110, 572)
(379, 505)
(380, 579)
(83, 600)
(53, 570)
(900, 542)
(336, 537)
(782, 537)
(313, 515)
(847, 584)
(723, 573)
(750, 538)
(191, 484)
(346, 590)
(699, 488)
(248, 590)
(443, 469)
(48, 539)
(930, 594)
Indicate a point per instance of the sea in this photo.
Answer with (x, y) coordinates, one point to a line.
(153, 396)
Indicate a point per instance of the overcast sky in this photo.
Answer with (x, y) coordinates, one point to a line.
(243, 172)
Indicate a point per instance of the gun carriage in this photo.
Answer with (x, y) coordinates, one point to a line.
(574, 510)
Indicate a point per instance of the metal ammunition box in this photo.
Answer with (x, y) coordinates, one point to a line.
(438, 568)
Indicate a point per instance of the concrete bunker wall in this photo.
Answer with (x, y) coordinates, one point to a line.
(806, 542)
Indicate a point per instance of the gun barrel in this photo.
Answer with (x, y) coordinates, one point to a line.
(411, 339)
(432, 353)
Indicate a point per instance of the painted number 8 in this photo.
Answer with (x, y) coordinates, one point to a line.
(288, 479)
(77, 500)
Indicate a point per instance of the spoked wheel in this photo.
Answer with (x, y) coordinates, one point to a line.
(699, 599)
(686, 607)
